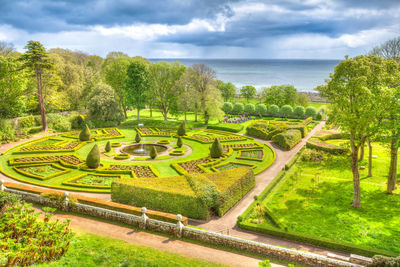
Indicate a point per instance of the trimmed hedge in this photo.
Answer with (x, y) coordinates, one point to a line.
(288, 139)
(122, 156)
(229, 127)
(316, 143)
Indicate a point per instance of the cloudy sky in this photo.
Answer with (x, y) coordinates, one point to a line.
(326, 29)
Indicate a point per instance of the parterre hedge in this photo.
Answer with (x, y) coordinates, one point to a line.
(288, 139)
(330, 148)
(229, 127)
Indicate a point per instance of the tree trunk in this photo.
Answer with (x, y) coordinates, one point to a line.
(391, 184)
(138, 113)
(206, 117)
(356, 175)
(369, 158)
(195, 115)
(362, 149)
(151, 111)
(41, 102)
(185, 115)
(165, 114)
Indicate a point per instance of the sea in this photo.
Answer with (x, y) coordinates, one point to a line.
(303, 74)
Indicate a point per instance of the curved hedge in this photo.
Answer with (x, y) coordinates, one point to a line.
(288, 139)
(318, 144)
(229, 127)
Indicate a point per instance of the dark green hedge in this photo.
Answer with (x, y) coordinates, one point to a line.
(287, 140)
(229, 127)
(257, 132)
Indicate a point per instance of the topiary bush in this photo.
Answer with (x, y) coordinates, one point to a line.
(216, 149)
(93, 158)
(108, 146)
(261, 109)
(318, 117)
(249, 108)
(138, 138)
(311, 112)
(179, 143)
(286, 110)
(238, 108)
(227, 107)
(85, 134)
(153, 152)
(287, 140)
(77, 121)
(182, 129)
(299, 111)
(273, 109)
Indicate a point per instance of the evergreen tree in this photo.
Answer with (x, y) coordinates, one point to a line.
(93, 158)
(108, 146)
(216, 149)
(179, 143)
(138, 138)
(153, 152)
(85, 134)
(182, 129)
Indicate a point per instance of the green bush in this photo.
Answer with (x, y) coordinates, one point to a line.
(229, 127)
(249, 108)
(93, 158)
(287, 140)
(77, 121)
(273, 109)
(108, 146)
(26, 122)
(261, 109)
(318, 144)
(8, 198)
(6, 131)
(238, 108)
(257, 132)
(286, 110)
(318, 117)
(85, 134)
(58, 123)
(182, 129)
(227, 107)
(311, 112)
(299, 111)
(138, 138)
(307, 121)
(153, 152)
(179, 143)
(35, 130)
(216, 149)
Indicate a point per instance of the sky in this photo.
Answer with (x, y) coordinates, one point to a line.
(311, 29)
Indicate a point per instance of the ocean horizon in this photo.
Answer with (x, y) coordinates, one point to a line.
(304, 74)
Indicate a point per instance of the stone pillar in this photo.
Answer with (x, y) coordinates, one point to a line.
(2, 187)
(144, 217)
(179, 225)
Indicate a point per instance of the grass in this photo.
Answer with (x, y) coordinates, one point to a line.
(94, 250)
(315, 199)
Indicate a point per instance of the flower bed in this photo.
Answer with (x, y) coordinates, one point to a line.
(146, 131)
(251, 154)
(226, 147)
(41, 171)
(92, 180)
(231, 165)
(138, 170)
(68, 160)
(49, 145)
(192, 166)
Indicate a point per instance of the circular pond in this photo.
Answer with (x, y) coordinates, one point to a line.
(143, 149)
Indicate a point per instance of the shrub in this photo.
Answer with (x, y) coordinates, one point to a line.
(286, 110)
(238, 108)
(216, 149)
(108, 146)
(311, 112)
(122, 156)
(249, 108)
(85, 134)
(77, 121)
(330, 148)
(318, 117)
(261, 109)
(103, 106)
(258, 132)
(229, 127)
(227, 107)
(299, 111)
(6, 131)
(8, 199)
(35, 130)
(153, 152)
(182, 129)
(273, 109)
(138, 138)
(93, 158)
(179, 143)
(59, 123)
(307, 121)
(287, 140)
(26, 122)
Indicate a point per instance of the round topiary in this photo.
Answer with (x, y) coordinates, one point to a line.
(108, 146)
(261, 109)
(286, 110)
(299, 111)
(249, 108)
(153, 152)
(85, 134)
(93, 158)
(179, 143)
(318, 117)
(227, 107)
(138, 138)
(238, 108)
(182, 129)
(311, 112)
(216, 149)
(273, 109)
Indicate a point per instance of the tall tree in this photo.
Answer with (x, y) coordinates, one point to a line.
(37, 59)
(137, 84)
(115, 76)
(280, 95)
(248, 92)
(227, 89)
(164, 83)
(351, 90)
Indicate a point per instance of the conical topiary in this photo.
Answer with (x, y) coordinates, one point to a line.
(216, 149)
(93, 158)
(85, 134)
(182, 129)
(108, 146)
(179, 143)
(153, 152)
(138, 138)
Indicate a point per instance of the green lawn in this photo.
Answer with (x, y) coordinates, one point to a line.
(315, 198)
(94, 250)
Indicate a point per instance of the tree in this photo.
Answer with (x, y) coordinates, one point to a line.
(85, 134)
(261, 109)
(248, 92)
(216, 149)
(286, 110)
(352, 91)
(7, 49)
(311, 112)
(249, 108)
(280, 95)
(182, 129)
(227, 89)
(303, 100)
(227, 107)
(299, 111)
(179, 143)
(137, 84)
(164, 81)
(153, 152)
(13, 83)
(37, 59)
(273, 109)
(102, 105)
(138, 138)
(238, 108)
(115, 76)
(93, 158)
(108, 147)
